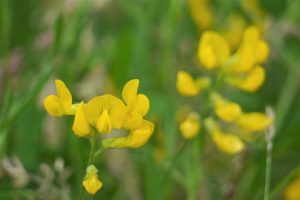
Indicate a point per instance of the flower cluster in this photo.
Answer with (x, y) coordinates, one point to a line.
(101, 115)
(242, 70)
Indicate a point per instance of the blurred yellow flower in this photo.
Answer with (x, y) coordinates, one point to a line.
(190, 127)
(135, 139)
(137, 104)
(292, 191)
(106, 112)
(226, 110)
(186, 85)
(254, 121)
(60, 104)
(226, 142)
(213, 50)
(81, 126)
(201, 13)
(252, 51)
(252, 81)
(91, 182)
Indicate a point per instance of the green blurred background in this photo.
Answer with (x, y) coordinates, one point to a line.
(96, 47)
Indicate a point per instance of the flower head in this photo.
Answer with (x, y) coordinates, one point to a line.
(106, 112)
(91, 182)
(190, 127)
(60, 104)
(292, 190)
(254, 121)
(213, 50)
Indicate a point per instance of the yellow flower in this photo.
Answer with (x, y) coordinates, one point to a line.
(253, 80)
(252, 51)
(135, 139)
(60, 104)
(292, 190)
(91, 182)
(254, 121)
(187, 86)
(190, 127)
(105, 113)
(226, 110)
(213, 50)
(81, 126)
(201, 13)
(227, 142)
(137, 104)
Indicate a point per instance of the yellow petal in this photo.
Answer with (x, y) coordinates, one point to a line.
(141, 135)
(133, 121)
(251, 34)
(186, 85)
(81, 126)
(246, 58)
(52, 106)
(115, 107)
(130, 91)
(229, 111)
(262, 51)
(64, 97)
(135, 139)
(253, 80)
(104, 123)
(254, 121)
(201, 13)
(142, 105)
(91, 182)
(292, 190)
(190, 127)
(213, 50)
(227, 142)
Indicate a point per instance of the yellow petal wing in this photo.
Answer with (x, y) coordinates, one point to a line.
(130, 91)
(254, 121)
(53, 106)
(81, 126)
(64, 97)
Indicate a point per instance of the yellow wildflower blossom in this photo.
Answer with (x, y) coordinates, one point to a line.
(213, 50)
(292, 191)
(225, 142)
(106, 112)
(190, 127)
(201, 13)
(135, 139)
(60, 104)
(137, 104)
(91, 182)
(252, 51)
(186, 85)
(81, 126)
(253, 80)
(254, 121)
(226, 110)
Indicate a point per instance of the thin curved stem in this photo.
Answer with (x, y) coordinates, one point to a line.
(173, 162)
(90, 161)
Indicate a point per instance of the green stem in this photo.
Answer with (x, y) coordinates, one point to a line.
(173, 162)
(90, 161)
